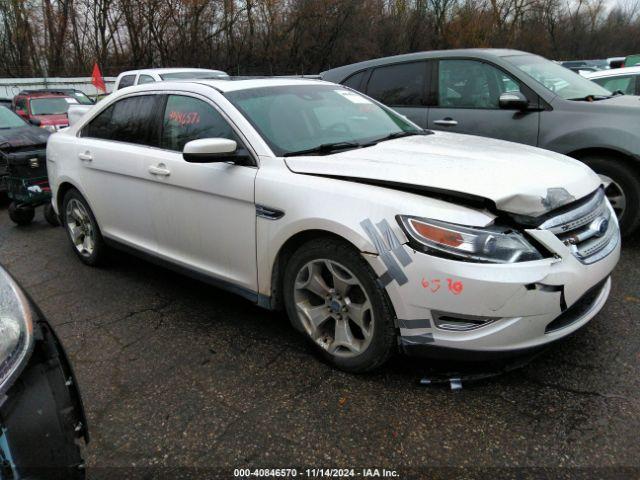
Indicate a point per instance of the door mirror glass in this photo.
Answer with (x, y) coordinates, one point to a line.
(209, 150)
(513, 101)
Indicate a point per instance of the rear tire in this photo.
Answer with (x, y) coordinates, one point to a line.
(21, 215)
(82, 229)
(625, 187)
(50, 215)
(345, 315)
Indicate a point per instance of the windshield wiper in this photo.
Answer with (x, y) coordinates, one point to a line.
(394, 135)
(325, 148)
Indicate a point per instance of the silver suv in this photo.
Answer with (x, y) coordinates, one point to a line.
(516, 96)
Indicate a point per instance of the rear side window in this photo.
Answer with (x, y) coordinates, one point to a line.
(626, 84)
(126, 81)
(354, 81)
(187, 118)
(398, 85)
(131, 120)
(145, 79)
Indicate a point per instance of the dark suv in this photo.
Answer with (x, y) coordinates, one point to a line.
(514, 96)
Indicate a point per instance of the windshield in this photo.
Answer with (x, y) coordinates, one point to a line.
(556, 78)
(194, 75)
(8, 119)
(295, 118)
(51, 105)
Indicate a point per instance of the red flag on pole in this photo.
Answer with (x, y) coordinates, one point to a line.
(96, 78)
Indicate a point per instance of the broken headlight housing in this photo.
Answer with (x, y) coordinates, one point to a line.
(16, 331)
(492, 244)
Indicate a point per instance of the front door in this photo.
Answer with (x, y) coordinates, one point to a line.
(468, 93)
(203, 213)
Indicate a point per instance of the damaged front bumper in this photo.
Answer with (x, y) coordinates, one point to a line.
(42, 419)
(463, 310)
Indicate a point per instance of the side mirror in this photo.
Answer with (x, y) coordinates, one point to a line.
(21, 112)
(513, 101)
(209, 150)
(35, 121)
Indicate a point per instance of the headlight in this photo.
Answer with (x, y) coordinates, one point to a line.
(16, 330)
(491, 244)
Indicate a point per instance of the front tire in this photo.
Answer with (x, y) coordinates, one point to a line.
(622, 187)
(21, 215)
(332, 296)
(82, 229)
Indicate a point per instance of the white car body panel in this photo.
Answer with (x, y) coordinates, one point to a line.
(203, 217)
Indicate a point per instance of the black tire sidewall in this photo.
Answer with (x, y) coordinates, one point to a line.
(99, 253)
(384, 337)
(22, 215)
(628, 179)
(50, 215)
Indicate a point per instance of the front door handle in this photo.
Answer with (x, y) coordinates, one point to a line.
(160, 170)
(446, 122)
(85, 156)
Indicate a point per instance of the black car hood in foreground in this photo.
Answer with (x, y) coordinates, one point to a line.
(22, 137)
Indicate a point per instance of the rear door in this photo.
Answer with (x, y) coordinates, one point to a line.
(114, 150)
(401, 86)
(467, 96)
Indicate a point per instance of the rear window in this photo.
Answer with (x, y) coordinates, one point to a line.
(398, 85)
(354, 81)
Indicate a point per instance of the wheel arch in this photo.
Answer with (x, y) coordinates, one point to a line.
(284, 254)
(625, 157)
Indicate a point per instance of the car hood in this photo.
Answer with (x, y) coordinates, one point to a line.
(22, 137)
(516, 178)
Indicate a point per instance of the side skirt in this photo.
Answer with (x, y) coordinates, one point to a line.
(250, 295)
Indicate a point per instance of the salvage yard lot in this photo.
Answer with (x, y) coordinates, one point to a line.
(175, 372)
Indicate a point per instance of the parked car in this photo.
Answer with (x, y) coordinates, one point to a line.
(48, 108)
(625, 80)
(42, 420)
(616, 62)
(79, 95)
(631, 61)
(16, 135)
(515, 96)
(590, 65)
(150, 75)
(369, 231)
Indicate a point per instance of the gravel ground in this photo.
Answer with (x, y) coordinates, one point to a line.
(176, 373)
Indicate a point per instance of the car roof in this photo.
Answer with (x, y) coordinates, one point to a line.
(227, 85)
(481, 53)
(614, 72)
(160, 71)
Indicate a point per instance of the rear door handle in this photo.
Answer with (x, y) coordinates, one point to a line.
(160, 170)
(85, 157)
(446, 122)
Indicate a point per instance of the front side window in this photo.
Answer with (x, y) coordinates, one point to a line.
(126, 81)
(130, 120)
(51, 106)
(21, 104)
(557, 79)
(472, 84)
(626, 84)
(297, 117)
(187, 118)
(398, 85)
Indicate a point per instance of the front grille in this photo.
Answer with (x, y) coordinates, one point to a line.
(590, 230)
(576, 311)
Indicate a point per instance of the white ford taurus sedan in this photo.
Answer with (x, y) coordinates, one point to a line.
(372, 233)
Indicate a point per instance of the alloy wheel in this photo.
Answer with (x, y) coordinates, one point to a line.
(334, 308)
(80, 228)
(615, 194)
